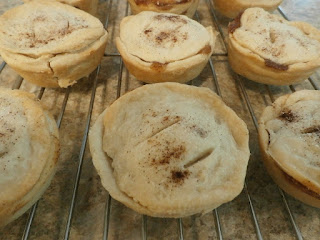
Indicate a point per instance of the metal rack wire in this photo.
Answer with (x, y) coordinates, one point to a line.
(144, 220)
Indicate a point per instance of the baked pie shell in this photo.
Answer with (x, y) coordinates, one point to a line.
(89, 6)
(63, 67)
(188, 8)
(20, 201)
(178, 71)
(252, 66)
(70, 67)
(292, 183)
(232, 8)
(205, 202)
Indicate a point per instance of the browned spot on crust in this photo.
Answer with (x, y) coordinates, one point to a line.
(178, 177)
(299, 185)
(205, 50)
(287, 116)
(277, 66)
(235, 23)
(147, 31)
(159, 67)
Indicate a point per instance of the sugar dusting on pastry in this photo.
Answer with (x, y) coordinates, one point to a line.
(275, 39)
(295, 130)
(14, 139)
(182, 156)
(163, 38)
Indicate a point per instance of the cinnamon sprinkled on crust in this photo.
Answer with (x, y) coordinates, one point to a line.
(287, 116)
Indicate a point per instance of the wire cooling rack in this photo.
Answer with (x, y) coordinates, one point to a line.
(77, 207)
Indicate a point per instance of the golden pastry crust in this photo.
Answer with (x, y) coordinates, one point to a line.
(183, 156)
(268, 49)
(51, 44)
(183, 7)
(89, 6)
(166, 47)
(232, 8)
(289, 135)
(29, 152)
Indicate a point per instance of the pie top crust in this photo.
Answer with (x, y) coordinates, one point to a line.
(277, 40)
(163, 38)
(170, 150)
(28, 150)
(47, 28)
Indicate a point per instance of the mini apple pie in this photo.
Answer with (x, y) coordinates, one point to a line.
(51, 44)
(231, 8)
(184, 7)
(163, 47)
(29, 152)
(289, 134)
(89, 6)
(269, 49)
(170, 150)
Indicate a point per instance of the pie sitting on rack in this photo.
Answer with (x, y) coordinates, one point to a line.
(289, 135)
(51, 44)
(184, 7)
(29, 151)
(232, 8)
(170, 150)
(163, 47)
(269, 49)
(90, 6)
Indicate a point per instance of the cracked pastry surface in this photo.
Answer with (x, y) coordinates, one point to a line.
(184, 7)
(289, 135)
(170, 150)
(158, 47)
(89, 6)
(272, 50)
(51, 44)
(29, 150)
(232, 8)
